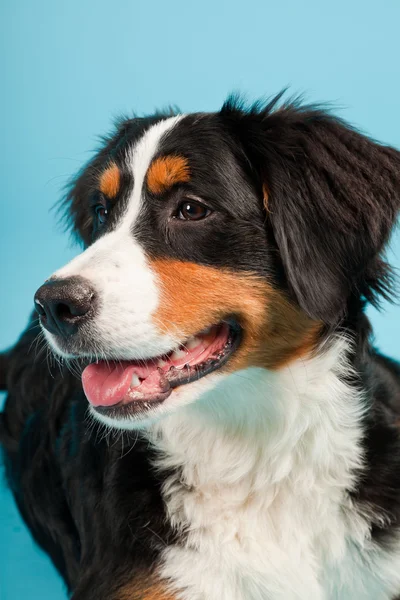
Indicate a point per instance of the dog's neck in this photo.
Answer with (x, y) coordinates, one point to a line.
(259, 474)
(294, 433)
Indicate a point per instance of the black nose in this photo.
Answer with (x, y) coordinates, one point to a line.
(63, 304)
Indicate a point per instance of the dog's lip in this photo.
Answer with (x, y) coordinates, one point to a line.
(135, 386)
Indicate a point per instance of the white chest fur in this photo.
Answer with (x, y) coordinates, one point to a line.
(263, 465)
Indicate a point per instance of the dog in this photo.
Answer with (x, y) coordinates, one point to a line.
(219, 425)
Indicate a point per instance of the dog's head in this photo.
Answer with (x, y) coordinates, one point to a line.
(216, 242)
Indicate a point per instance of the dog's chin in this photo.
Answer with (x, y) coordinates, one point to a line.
(128, 393)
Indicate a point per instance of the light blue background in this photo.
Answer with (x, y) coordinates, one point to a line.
(69, 67)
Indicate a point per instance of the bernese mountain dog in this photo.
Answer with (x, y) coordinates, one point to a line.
(217, 424)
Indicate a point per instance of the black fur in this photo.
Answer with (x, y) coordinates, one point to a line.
(3, 371)
(334, 197)
(77, 206)
(93, 503)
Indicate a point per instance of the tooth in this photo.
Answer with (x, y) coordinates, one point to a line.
(135, 381)
(161, 363)
(193, 343)
(178, 354)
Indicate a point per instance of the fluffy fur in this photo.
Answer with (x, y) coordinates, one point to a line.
(275, 476)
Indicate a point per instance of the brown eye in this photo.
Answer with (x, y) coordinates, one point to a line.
(192, 211)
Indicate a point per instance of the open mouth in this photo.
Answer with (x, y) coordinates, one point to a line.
(120, 388)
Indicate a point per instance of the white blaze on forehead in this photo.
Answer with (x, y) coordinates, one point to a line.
(117, 268)
(138, 161)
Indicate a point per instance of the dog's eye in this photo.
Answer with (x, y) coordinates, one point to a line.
(101, 213)
(190, 210)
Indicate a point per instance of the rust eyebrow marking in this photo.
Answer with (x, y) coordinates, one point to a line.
(110, 181)
(166, 171)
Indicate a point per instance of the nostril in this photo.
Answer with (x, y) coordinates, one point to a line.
(64, 311)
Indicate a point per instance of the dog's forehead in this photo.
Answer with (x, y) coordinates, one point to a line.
(141, 154)
(137, 158)
(180, 149)
(180, 144)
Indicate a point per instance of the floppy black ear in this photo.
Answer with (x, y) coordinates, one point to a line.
(332, 197)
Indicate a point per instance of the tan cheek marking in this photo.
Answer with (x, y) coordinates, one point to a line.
(166, 171)
(110, 181)
(193, 296)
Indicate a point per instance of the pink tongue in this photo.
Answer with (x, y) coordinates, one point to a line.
(106, 384)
